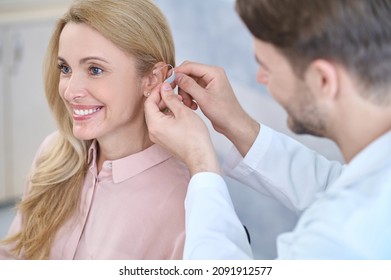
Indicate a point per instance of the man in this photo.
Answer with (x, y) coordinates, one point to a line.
(328, 63)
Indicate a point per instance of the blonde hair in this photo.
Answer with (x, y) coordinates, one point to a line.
(137, 27)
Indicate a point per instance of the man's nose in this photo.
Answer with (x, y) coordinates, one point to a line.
(262, 77)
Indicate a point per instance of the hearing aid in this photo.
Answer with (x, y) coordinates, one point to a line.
(170, 78)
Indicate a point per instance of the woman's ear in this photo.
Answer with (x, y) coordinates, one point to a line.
(156, 76)
(159, 71)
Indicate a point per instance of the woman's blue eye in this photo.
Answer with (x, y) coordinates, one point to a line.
(64, 69)
(96, 71)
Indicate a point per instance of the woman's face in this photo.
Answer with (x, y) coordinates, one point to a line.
(98, 84)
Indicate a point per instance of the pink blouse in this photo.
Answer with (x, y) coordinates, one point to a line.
(132, 209)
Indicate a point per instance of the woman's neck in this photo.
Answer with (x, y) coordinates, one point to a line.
(121, 144)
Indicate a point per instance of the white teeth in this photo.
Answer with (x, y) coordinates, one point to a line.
(85, 112)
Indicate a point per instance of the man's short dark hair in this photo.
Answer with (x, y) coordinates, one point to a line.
(353, 33)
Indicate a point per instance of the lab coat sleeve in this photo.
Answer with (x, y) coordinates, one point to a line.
(213, 230)
(280, 167)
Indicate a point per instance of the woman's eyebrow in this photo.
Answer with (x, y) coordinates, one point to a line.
(85, 59)
(61, 59)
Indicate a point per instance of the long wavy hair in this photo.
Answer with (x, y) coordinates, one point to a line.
(137, 27)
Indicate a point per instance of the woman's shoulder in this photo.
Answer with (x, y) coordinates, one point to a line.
(167, 163)
(50, 138)
(48, 141)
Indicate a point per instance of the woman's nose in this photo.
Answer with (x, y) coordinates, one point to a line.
(74, 87)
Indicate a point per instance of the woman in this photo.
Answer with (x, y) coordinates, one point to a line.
(99, 188)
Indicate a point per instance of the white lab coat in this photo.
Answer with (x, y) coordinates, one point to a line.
(345, 210)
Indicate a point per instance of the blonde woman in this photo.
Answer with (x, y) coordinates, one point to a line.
(99, 188)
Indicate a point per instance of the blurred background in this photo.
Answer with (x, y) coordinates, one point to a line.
(204, 31)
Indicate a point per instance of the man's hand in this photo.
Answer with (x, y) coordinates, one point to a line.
(208, 88)
(180, 130)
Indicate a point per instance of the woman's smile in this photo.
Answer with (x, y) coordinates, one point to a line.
(83, 112)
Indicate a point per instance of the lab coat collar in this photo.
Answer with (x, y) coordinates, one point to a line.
(372, 158)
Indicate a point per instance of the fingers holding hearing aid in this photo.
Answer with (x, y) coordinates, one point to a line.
(162, 106)
(167, 72)
(187, 99)
(172, 131)
(212, 92)
(172, 101)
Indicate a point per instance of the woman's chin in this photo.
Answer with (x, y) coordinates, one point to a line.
(83, 136)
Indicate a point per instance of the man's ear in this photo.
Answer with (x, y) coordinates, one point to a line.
(322, 78)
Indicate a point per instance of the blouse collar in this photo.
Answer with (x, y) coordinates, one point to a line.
(129, 166)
